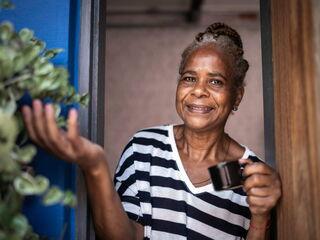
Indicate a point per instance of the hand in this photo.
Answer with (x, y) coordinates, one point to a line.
(68, 145)
(263, 188)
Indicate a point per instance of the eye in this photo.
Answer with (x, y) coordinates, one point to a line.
(189, 79)
(217, 82)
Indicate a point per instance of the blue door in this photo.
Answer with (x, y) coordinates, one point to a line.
(57, 23)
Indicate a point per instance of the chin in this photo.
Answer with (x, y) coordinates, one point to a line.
(199, 125)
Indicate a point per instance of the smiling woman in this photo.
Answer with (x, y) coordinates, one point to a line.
(162, 189)
(143, 65)
(162, 176)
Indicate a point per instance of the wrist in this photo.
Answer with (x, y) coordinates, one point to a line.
(95, 163)
(260, 222)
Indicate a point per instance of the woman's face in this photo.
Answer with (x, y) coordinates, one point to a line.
(205, 93)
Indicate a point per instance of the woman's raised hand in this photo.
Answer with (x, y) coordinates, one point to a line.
(68, 145)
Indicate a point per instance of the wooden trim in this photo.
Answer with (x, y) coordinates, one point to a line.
(296, 123)
(91, 79)
(267, 78)
(268, 96)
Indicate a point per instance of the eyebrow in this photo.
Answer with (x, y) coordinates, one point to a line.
(210, 74)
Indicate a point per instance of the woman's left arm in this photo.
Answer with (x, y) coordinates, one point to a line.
(263, 188)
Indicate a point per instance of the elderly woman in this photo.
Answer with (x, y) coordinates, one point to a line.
(162, 185)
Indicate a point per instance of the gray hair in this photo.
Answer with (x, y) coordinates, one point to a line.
(226, 39)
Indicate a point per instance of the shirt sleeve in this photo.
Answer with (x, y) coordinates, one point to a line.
(126, 184)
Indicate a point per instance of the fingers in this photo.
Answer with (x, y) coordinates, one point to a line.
(38, 121)
(262, 185)
(257, 168)
(33, 119)
(260, 175)
(43, 130)
(52, 128)
(28, 118)
(256, 181)
(73, 132)
(261, 205)
(56, 141)
(259, 191)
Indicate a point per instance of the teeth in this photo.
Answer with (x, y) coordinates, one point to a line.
(200, 109)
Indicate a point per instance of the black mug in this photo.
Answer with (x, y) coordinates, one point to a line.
(227, 175)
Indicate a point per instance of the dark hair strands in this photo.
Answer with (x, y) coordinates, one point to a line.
(229, 40)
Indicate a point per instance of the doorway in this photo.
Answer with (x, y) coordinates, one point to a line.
(144, 41)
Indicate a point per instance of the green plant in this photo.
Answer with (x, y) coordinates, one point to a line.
(26, 68)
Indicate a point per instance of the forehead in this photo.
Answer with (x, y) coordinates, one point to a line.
(208, 57)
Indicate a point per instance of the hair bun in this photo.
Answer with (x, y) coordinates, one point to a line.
(220, 29)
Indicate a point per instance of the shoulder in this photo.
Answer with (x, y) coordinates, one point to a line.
(241, 151)
(248, 153)
(155, 131)
(152, 137)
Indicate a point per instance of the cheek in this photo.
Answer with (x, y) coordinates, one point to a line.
(226, 100)
(181, 94)
(178, 99)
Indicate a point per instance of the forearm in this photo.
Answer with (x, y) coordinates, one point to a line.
(110, 219)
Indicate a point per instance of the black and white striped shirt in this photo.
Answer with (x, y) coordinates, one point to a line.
(156, 192)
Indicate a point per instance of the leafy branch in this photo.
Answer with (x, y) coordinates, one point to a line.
(26, 68)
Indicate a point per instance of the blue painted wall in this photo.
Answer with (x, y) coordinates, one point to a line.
(57, 23)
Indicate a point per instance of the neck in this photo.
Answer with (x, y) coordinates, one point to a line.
(203, 146)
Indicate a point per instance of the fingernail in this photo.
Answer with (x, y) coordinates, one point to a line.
(72, 112)
(48, 107)
(36, 103)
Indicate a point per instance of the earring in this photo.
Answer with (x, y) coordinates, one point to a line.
(235, 108)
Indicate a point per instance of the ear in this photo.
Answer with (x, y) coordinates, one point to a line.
(238, 96)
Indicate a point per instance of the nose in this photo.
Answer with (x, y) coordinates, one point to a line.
(200, 89)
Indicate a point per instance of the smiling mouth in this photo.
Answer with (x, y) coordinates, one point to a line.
(199, 109)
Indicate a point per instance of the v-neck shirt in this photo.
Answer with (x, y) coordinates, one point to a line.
(156, 191)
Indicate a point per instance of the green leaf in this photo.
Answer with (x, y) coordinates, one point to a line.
(69, 199)
(19, 63)
(24, 184)
(6, 31)
(28, 185)
(7, 56)
(8, 133)
(38, 43)
(32, 236)
(7, 53)
(49, 54)
(26, 154)
(84, 99)
(57, 110)
(42, 184)
(53, 196)
(61, 122)
(10, 108)
(31, 51)
(6, 4)
(26, 34)
(43, 68)
(20, 225)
